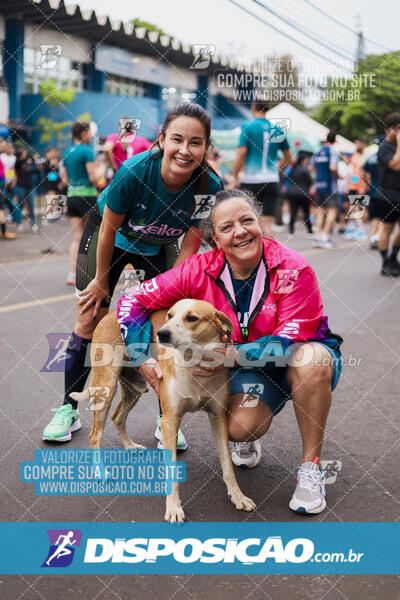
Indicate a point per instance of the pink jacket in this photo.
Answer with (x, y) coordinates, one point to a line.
(286, 302)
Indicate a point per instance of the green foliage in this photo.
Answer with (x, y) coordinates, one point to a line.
(54, 96)
(51, 129)
(150, 27)
(378, 83)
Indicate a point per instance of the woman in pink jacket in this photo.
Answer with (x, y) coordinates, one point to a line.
(284, 347)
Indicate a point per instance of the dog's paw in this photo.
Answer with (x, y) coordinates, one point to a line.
(134, 446)
(174, 513)
(241, 501)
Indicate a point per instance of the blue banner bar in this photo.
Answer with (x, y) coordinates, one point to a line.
(196, 548)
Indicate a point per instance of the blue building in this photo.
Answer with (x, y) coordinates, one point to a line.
(115, 69)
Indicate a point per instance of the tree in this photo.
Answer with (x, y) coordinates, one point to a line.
(377, 81)
(50, 128)
(54, 96)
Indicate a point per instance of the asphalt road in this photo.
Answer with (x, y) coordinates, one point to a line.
(362, 430)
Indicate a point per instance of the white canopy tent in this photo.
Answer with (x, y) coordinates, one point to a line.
(305, 125)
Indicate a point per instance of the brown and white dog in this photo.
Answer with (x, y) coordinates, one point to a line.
(189, 322)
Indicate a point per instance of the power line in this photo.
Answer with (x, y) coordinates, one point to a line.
(290, 37)
(304, 22)
(297, 28)
(338, 22)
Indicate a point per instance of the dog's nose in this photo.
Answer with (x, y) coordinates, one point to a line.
(164, 336)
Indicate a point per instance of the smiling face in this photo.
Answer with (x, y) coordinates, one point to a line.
(238, 233)
(184, 145)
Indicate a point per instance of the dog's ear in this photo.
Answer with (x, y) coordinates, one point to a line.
(223, 324)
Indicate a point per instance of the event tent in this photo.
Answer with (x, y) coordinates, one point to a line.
(302, 125)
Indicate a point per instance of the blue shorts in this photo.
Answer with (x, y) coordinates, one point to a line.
(270, 384)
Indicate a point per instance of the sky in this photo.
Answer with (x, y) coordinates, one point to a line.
(235, 33)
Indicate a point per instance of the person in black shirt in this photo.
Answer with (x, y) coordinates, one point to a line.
(24, 169)
(298, 192)
(389, 194)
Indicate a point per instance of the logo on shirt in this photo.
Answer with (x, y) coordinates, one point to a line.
(148, 287)
(155, 229)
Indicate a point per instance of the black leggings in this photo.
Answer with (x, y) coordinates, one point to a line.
(76, 374)
(295, 203)
(86, 262)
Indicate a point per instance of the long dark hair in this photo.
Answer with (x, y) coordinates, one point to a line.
(189, 109)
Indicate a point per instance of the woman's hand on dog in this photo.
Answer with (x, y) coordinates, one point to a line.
(93, 295)
(151, 371)
(230, 358)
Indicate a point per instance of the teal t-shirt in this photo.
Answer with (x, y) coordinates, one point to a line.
(154, 216)
(263, 141)
(75, 159)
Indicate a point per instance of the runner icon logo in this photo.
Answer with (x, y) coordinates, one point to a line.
(252, 393)
(127, 129)
(63, 543)
(54, 206)
(202, 55)
(358, 204)
(331, 469)
(204, 204)
(286, 279)
(49, 57)
(59, 359)
(133, 277)
(279, 130)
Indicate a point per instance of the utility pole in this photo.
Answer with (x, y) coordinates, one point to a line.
(360, 52)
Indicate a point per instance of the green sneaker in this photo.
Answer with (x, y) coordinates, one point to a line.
(65, 421)
(181, 443)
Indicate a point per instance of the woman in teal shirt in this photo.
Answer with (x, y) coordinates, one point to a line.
(155, 198)
(78, 172)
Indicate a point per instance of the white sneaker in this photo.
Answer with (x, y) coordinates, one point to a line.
(35, 228)
(246, 454)
(20, 228)
(309, 495)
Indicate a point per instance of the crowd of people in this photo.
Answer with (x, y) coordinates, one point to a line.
(328, 194)
(352, 194)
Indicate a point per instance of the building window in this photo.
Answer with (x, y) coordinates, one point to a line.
(65, 72)
(124, 86)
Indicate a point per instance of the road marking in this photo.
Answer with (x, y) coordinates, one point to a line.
(29, 261)
(50, 300)
(20, 305)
